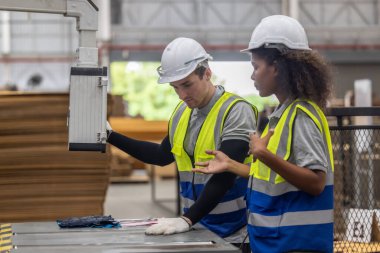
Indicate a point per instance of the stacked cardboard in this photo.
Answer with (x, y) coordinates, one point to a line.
(39, 178)
(139, 128)
(123, 165)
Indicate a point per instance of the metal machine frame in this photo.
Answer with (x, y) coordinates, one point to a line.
(88, 83)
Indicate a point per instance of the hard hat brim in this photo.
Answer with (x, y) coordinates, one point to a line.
(170, 79)
(249, 49)
(246, 51)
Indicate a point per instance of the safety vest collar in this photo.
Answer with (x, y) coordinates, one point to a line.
(280, 109)
(206, 139)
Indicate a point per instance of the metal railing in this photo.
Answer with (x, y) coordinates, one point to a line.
(357, 169)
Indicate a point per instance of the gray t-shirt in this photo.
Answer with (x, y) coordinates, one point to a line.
(308, 147)
(238, 124)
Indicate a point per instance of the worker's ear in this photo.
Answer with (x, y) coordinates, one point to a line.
(208, 74)
(274, 67)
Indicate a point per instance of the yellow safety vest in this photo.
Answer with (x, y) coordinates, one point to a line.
(206, 139)
(261, 171)
(230, 213)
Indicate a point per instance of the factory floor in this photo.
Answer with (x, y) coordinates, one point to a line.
(134, 200)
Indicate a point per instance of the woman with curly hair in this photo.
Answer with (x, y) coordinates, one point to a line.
(290, 195)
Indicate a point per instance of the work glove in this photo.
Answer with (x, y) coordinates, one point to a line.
(168, 226)
(108, 129)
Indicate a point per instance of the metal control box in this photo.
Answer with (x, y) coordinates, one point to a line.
(88, 109)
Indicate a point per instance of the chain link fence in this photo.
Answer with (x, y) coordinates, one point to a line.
(356, 186)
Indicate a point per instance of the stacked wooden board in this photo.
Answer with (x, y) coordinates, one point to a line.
(123, 166)
(139, 128)
(39, 178)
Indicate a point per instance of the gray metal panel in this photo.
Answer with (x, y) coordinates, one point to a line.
(185, 248)
(88, 108)
(48, 237)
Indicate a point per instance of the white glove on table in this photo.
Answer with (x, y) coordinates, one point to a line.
(168, 226)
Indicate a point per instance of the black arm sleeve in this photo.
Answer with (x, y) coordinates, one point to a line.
(218, 184)
(147, 152)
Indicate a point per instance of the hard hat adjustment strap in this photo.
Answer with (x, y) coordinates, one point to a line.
(280, 47)
(196, 59)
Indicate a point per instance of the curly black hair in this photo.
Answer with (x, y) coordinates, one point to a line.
(304, 73)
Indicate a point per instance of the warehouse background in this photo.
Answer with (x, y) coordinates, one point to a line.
(37, 49)
(36, 53)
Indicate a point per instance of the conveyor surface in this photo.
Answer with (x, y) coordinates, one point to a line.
(43, 237)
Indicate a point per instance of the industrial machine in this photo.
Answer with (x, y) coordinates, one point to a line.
(88, 82)
(47, 237)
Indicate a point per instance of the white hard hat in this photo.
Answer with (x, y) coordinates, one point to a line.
(278, 31)
(180, 58)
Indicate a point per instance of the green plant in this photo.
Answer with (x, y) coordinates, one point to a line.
(137, 82)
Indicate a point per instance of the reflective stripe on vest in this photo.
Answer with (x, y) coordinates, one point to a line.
(292, 219)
